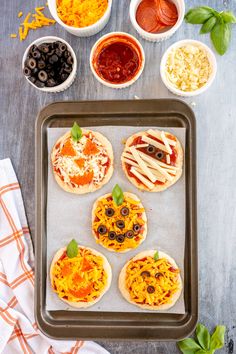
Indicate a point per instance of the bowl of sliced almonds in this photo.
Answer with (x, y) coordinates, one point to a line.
(188, 68)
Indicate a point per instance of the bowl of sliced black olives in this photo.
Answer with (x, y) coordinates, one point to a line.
(49, 64)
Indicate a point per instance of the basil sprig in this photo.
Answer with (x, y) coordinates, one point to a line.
(218, 24)
(204, 343)
(117, 195)
(72, 249)
(76, 132)
(156, 256)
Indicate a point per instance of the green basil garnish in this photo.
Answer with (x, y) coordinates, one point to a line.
(156, 256)
(76, 132)
(72, 249)
(117, 195)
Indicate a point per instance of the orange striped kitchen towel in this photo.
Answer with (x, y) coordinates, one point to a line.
(18, 330)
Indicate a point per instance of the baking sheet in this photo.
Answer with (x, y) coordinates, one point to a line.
(69, 216)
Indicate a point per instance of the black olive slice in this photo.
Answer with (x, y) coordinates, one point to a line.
(36, 54)
(32, 79)
(31, 63)
(43, 76)
(64, 76)
(109, 212)
(44, 48)
(120, 224)
(124, 211)
(157, 275)
(120, 238)
(41, 64)
(136, 227)
(102, 230)
(39, 84)
(129, 234)
(70, 60)
(159, 155)
(62, 47)
(145, 273)
(26, 71)
(112, 235)
(51, 83)
(150, 289)
(32, 49)
(150, 149)
(53, 59)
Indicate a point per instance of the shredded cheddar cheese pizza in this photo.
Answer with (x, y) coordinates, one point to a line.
(81, 279)
(119, 228)
(82, 166)
(150, 283)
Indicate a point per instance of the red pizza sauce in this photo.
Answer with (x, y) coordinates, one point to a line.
(117, 59)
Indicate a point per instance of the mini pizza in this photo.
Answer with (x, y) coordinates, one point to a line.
(82, 280)
(151, 280)
(82, 162)
(122, 227)
(152, 160)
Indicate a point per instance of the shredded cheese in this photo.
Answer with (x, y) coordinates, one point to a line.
(81, 278)
(163, 278)
(81, 13)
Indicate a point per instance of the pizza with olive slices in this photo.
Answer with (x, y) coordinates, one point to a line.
(150, 283)
(80, 281)
(82, 166)
(119, 228)
(152, 160)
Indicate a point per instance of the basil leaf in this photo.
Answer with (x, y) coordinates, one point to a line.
(72, 249)
(203, 336)
(117, 195)
(198, 15)
(188, 344)
(228, 17)
(76, 132)
(202, 351)
(156, 256)
(220, 36)
(208, 25)
(218, 338)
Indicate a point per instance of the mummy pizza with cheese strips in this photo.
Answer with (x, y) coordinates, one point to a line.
(151, 280)
(82, 160)
(152, 160)
(79, 275)
(119, 221)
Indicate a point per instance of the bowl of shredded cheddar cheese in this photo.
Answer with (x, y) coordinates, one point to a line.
(83, 18)
(188, 68)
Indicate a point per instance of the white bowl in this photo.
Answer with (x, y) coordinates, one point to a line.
(125, 84)
(83, 31)
(212, 61)
(69, 81)
(156, 37)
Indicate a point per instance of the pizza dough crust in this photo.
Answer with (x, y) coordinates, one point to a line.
(91, 187)
(125, 292)
(158, 187)
(107, 269)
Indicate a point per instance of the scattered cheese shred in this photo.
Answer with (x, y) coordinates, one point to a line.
(13, 35)
(32, 22)
(81, 13)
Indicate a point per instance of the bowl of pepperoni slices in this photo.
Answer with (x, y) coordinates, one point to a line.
(156, 20)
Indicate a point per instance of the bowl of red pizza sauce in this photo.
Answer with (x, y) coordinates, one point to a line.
(117, 59)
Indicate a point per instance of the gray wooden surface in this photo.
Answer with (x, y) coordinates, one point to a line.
(216, 127)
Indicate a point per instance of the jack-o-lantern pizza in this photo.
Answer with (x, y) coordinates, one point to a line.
(152, 160)
(151, 280)
(80, 275)
(119, 221)
(82, 160)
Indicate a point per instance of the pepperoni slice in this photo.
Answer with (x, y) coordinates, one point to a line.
(77, 278)
(146, 15)
(81, 292)
(66, 270)
(167, 12)
(80, 162)
(90, 148)
(67, 149)
(82, 180)
(86, 265)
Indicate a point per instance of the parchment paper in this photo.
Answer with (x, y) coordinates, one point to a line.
(69, 216)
